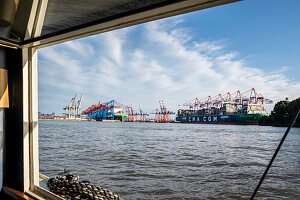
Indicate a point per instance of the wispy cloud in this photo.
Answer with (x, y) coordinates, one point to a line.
(147, 63)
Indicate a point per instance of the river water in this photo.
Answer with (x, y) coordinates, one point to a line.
(173, 161)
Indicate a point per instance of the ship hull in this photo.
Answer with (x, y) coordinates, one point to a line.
(122, 118)
(242, 119)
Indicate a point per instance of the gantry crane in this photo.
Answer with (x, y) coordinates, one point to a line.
(73, 110)
(78, 107)
(248, 97)
(69, 108)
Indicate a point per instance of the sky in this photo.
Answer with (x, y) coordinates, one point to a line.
(239, 46)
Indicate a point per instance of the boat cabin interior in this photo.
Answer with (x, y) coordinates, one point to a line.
(25, 27)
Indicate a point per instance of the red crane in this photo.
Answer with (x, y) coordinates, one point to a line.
(248, 97)
(142, 115)
(162, 115)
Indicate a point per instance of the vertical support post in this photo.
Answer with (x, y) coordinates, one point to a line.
(2, 66)
(20, 139)
(14, 123)
(26, 134)
(33, 118)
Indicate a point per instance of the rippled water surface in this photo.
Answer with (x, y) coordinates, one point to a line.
(173, 161)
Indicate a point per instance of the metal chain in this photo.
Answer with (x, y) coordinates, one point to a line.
(69, 187)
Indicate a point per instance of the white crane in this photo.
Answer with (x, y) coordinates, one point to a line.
(69, 108)
(78, 107)
(72, 113)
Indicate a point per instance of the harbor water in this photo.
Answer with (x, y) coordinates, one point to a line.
(173, 161)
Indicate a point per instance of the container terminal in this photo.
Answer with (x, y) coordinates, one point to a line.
(236, 108)
(116, 111)
(27, 26)
(230, 108)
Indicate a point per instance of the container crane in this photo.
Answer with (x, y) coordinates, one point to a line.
(69, 108)
(132, 116)
(162, 114)
(142, 115)
(72, 108)
(78, 107)
(250, 100)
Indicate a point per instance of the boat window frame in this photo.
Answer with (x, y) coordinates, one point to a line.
(32, 176)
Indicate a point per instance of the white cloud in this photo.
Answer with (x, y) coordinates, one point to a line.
(82, 49)
(162, 61)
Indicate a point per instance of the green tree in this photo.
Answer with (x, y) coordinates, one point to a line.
(282, 114)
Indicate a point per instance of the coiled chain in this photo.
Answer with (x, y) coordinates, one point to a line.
(69, 187)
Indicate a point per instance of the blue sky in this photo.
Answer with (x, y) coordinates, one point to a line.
(253, 43)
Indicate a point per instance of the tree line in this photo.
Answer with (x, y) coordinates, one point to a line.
(282, 114)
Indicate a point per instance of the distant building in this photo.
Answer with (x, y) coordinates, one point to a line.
(46, 116)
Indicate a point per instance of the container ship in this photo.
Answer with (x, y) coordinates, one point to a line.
(111, 110)
(236, 108)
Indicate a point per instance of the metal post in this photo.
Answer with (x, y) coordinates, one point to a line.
(2, 66)
(276, 152)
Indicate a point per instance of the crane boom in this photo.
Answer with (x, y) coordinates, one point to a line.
(79, 101)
